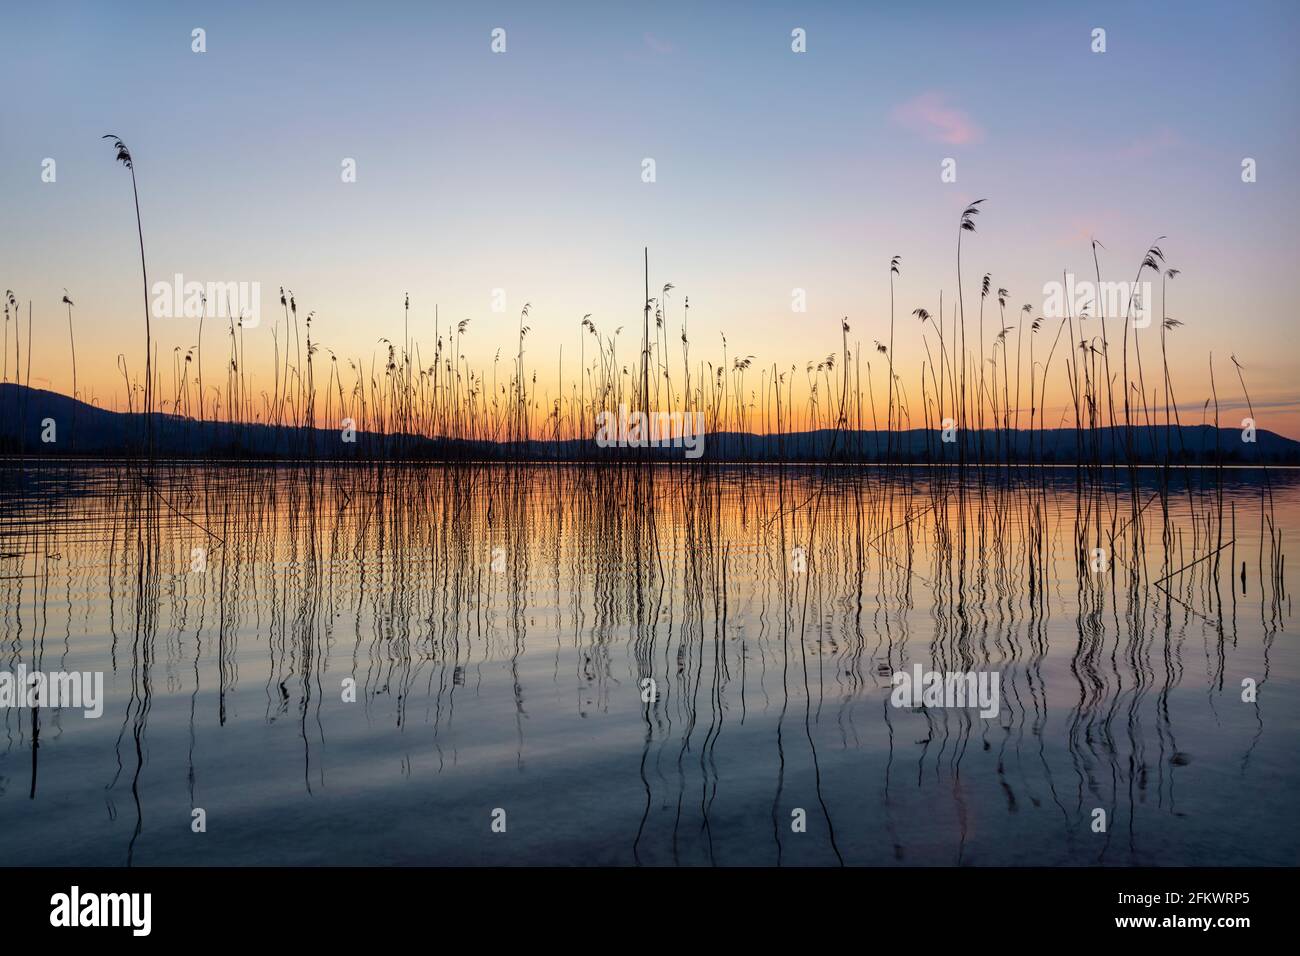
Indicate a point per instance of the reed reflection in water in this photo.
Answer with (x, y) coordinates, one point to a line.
(504, 626)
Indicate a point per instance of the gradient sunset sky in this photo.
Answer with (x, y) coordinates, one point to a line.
(775, 171)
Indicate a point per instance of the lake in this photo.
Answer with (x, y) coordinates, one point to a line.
(677, 665)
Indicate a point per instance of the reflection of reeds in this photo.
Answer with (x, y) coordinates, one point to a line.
(388, 574)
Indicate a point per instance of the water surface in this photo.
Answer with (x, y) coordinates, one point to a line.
(502, 626)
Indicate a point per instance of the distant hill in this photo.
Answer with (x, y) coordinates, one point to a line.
(86, 431)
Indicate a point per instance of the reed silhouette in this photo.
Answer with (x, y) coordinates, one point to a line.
(448, 408)
(730, 631)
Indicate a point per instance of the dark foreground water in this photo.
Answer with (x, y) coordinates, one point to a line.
(673, 668)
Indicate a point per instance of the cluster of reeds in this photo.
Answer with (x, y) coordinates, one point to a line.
(414, 390)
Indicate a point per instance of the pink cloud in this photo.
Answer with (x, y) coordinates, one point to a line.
(929, 115)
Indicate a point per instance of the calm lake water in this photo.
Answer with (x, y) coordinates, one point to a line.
(677, 667)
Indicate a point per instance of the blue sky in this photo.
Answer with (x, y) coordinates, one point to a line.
(775, 170)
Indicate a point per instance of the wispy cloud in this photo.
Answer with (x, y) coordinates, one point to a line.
(929, 115)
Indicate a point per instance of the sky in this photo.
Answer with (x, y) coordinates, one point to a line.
(522, 171)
